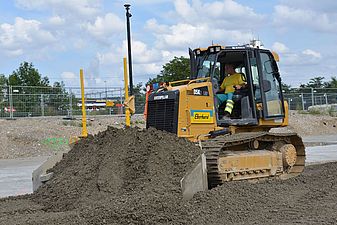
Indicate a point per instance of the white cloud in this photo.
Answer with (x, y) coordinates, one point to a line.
(148, 69)
(182, 35)
(141, 54)
(169, 55)
(174, 40)
(80, 43)
(104, 27)
(287, 16)
(68, 75)
(153, 26)
(24, 35)
(14, 53)
(280, 47)
(56, 20)
(225, 14)
(61, 7)
(148, 2)
(70, 78)
(200, 24)
(185, 10)
(304, 58)
(312, 53)
(327, 6)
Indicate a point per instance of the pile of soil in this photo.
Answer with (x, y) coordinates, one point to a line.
(119, 164)
(132, 176)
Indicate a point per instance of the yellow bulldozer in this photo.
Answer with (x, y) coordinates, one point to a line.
(238, 147)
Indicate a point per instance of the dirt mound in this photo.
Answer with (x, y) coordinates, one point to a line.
(115, 163)
(132, 177)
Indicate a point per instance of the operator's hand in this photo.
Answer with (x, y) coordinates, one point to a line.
(237, 87)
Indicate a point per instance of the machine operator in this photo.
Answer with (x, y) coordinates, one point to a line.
(231, 82)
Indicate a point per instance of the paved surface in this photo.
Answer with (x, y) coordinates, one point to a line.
(324, 139)
(15, 175)
(320, 154)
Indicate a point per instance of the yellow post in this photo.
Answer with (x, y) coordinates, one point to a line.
(84, 114)
(126, 87)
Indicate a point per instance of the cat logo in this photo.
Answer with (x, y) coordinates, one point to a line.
(160, 97)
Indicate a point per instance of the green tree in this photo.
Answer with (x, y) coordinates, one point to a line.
(3, 93)
(316, 82)
(139, 93)
(332, 83)
(286, 87)
(3, 80)
(58, 100)
(177, 69)
(27, 75)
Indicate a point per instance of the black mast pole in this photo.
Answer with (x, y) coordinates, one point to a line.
(128, 33)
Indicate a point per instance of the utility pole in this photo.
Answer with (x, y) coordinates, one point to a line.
(106, 92)
(128, 33)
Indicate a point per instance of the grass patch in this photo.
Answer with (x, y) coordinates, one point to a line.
(314, 111)
(302, 112)
(333, 111)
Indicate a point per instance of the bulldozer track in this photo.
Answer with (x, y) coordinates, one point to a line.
(218, 147)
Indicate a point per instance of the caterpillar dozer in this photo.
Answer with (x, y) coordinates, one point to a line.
(239, 147)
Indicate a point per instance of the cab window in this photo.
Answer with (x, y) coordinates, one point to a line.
(271, 86)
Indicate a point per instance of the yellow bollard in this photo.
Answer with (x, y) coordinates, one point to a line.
(126, 87)
(84, 113)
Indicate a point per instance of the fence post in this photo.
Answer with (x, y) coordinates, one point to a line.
(70, 113)
(303, 107)
(10, 102)
(326, 98)
(121, 100)
(42, 105)
(312, 97)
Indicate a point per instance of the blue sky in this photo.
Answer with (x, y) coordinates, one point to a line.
(61, 36)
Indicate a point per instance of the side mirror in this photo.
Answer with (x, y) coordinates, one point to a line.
(266, 85)
(268, 66)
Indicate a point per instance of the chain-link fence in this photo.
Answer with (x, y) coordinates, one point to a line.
(25, 101)
(303, 98)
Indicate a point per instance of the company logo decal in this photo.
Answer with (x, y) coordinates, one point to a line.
(201, 116)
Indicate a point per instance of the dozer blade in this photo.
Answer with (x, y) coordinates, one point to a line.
(195, 179)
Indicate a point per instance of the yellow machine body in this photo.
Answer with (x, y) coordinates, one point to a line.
(197, 116)
(239, 147)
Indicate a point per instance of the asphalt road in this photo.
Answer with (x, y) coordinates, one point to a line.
(16, 174)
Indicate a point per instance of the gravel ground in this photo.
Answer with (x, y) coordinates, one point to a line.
(310, 124)
(132, 177)
(44, 136)
(29, 137)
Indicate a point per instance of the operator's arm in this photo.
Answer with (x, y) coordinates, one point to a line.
(241, 81)
(222, 88)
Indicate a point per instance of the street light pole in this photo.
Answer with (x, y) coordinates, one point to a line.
(128, 33)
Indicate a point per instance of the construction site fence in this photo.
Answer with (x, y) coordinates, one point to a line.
(303, 98)
(32, 101)
(25, 101)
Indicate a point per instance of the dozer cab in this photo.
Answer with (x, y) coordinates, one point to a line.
(239, 147)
